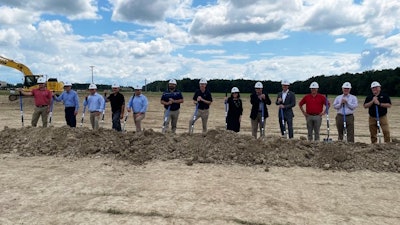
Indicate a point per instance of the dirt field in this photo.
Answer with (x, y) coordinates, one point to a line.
(59, 175)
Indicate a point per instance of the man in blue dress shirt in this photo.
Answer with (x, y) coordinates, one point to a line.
(95, 103)
(71, 102)
(138, 104)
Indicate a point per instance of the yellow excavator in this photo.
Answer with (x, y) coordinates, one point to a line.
(30, 80)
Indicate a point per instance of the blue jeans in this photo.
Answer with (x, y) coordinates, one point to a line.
(116, 120)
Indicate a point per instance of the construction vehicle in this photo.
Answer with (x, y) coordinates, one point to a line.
(30, 80)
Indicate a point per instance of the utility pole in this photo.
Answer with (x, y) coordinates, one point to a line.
(92, 72)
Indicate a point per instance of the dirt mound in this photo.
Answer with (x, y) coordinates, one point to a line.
(218, 146)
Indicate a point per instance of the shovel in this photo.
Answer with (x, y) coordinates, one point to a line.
(51, 112)
(21, 109)
(378, 123)
(285, 134)
(327, 139)
(191, 128)
(166, 119)
(262, 135)
(344, 124)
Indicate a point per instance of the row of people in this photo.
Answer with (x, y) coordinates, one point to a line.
(317, 105)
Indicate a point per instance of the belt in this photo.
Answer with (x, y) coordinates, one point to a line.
(346, 114)
(313, 114)
(41, 106)
(94, 111)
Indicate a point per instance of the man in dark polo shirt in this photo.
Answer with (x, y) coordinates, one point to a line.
(315, 103)
(172, 99)
(203, 98)
(117, 101)
(380, 102)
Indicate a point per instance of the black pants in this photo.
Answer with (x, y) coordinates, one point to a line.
(70, 116)
(116, 120)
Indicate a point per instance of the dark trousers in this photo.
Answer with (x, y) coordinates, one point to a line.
(116, 120)
(70, 116)
(349, 126)
(289, 122)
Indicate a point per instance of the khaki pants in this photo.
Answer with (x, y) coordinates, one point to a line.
(256, 125)
(39, 111)
(138, 121)
(349, 125)
(203, 114)
(94, 120)
(373, 128)
(313, 125)
(173, 118)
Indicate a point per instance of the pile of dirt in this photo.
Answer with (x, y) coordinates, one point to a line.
(217, 146)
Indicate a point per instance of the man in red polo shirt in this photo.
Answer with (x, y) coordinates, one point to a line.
(315, 103)
(42, 98)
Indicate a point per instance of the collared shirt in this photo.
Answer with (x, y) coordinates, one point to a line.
(95, 103)
(175, 95)
(205, 95)
(70, 99)
(284, 94)
(138, 103)
(349, 107)
(116, 101)
(382, 98)
(42, 97)
(314, 104)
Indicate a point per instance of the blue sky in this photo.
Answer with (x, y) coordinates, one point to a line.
(136, 41)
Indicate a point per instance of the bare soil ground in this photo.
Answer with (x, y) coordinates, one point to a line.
(59, 175)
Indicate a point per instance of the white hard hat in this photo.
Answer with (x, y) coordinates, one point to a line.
(92, 86)
(375, 84)
(41, 80)
(172, 81)
(346, 85)
(67, 83)
(314, 85)
(115, 85)
(235, 90)
(258, 85)
(203, 81)
(285, 82)
(137, 87)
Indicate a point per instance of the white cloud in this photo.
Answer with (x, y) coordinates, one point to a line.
(340, 40)
(167, 26)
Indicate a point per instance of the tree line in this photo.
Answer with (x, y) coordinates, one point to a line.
(388, 78)
(360, 82)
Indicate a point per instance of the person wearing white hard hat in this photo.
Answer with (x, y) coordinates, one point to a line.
(377, 104)
(259, 101)
(202, 98)
(345, 105)
(172, 99)
(42, 98)
(95, 104)
(285, 101)
(138, 104)
(314, 111)
(117, 102)
(71, 103)
(235, 110)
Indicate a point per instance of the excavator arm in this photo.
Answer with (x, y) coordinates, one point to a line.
(30, 80)
(19, 66)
